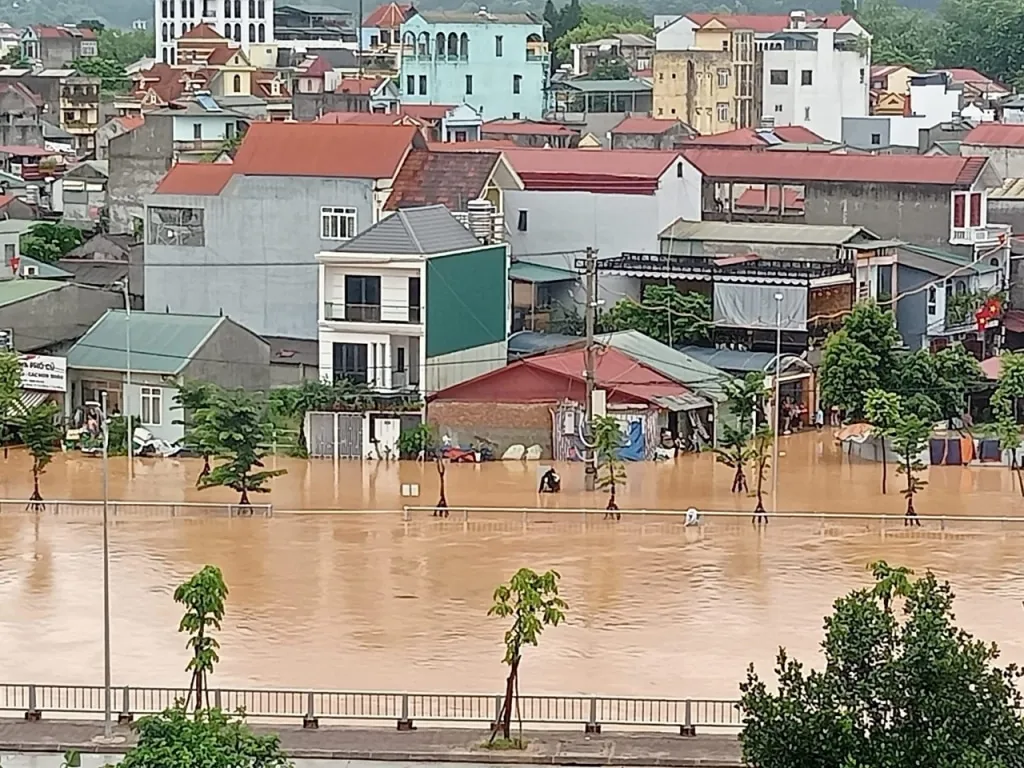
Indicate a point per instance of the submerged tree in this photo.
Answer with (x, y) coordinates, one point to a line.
(746, 398)
(882, 411)
(210, 738)
(1009, 391)
(203, 597)
(761, 456)
(735, 453)
(906, 688)
(608, 441)
(192, 399)
(41, 434)
(441, 510)
(532, 601)
(235, 420)
(909, 439)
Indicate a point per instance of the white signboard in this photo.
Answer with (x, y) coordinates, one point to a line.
(47, 374)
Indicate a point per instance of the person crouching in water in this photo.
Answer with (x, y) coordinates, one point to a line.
(550, 482)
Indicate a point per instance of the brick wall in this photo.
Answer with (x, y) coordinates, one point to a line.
(502, 423)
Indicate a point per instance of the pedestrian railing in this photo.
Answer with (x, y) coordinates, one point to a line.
(33, 702)
(136, 509)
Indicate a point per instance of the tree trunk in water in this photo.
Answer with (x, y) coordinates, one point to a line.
(36, 496)
(244, 501)
(510, 687)
(885, 470)
(739, 480)
(1020, 480)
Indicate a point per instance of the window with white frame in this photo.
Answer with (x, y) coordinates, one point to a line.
(337, 223)
(723, 78)
(723, 111)
(89, 48)
(933, 301)
(151, 402)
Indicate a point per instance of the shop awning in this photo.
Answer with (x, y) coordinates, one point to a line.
(526, 272)
(687, 402)
(30, 398)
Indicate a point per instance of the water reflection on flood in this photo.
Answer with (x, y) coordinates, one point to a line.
(366, 601)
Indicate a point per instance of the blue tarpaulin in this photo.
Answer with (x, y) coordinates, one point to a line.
(633, 442)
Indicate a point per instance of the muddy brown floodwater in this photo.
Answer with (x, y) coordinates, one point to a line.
(370, 602)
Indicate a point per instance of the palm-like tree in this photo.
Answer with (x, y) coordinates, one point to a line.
(889, 582)
(608, 439)
(735, 453)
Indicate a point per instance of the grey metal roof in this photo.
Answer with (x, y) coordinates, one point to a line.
(605, 86)
(687, 402)
(634, 39)
(739, 232)
(43, 270)
(195, 109)
(419, 231)
(939, 263)
(740, 360)
(529, 272)
(477, 17)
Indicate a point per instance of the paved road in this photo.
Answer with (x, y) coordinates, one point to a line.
(435, 745)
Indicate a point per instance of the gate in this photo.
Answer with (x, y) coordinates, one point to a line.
(334, 435)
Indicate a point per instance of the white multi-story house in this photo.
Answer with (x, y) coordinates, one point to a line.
(816, 70)
(415, 303)
(247, 22)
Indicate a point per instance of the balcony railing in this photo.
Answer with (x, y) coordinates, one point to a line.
(352, 313)
(976, 235)
(706, 266)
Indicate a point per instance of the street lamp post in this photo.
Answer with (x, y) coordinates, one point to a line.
(777, 407)
(128, 376)
(106, 574)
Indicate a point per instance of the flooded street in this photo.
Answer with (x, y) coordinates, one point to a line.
(370, 602)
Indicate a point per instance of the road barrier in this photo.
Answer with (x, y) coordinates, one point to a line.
(136, 509)
(403, 709)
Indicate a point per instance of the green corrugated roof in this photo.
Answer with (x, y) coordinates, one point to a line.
(13, 291)
(679, 366)
(538, 273)
(161, 343)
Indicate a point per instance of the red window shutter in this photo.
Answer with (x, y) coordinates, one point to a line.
(958, 210)
(976, 209)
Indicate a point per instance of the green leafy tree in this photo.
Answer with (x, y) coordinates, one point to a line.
(610, 69)
(882, 411)
(14, 58)
(311, 396)
(203, 596)
(113, 78)
(586, 32)
(48, 241)
(899, 35)
(531, 600)
(666, 314)
(848, 370)
(126, 46)
(939, 381)
(10, 395)
(211, 739)
(608, 441)
(746, 400)
(41, 434)
(912, 689)
(890, 582)
(236, 422)
(760, 452)
(734, 452)
(192, 399)
(910, 436)
(875, 328)
(1009, 391)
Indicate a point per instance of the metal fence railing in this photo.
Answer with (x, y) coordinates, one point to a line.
(33, 702)
(136, 509)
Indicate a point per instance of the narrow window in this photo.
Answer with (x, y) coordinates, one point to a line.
(521, 226)
(410, 85)
(469, 85)
(498, 46)
(806, 77)
(517, 83)
(423, 85)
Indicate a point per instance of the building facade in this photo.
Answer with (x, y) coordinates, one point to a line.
(54, 47)
(394, 302)
(246, 22)
(497, 63)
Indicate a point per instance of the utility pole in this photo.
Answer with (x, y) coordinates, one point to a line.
(590, 476)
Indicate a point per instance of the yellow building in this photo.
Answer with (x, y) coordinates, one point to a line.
(80, 110)
(712, 86)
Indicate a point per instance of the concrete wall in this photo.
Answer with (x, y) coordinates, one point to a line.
(502, 423)
(493, 94)
(911, 310)
(1007, 211)
(233, 357)
(1008, 162)
(19, 120)
(667, 140)
(54, 319)
(138, 161)
(861, 132)
(839, 86)
(271, 227)
(570, 221)
(686, 87)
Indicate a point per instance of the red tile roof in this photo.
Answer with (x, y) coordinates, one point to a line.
(358, 86)
(24, 150)
(767, 23)
(366, 118)
(389, 16)
(221, 55)
(753, 197)
(6, 200)
(131, 122)
(996, 135)
(320, 149)
(427, 111)
(636, 124)
(972, 77)
(749, 137)
(526, 128)
(450, 179)
(817, 166)
(202, 32)
(483, 145)
(618, 171)
(318, 68)
(50, 31)
(195, 179)
(553, 377)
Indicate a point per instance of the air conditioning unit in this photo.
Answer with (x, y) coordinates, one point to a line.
(30, 270)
